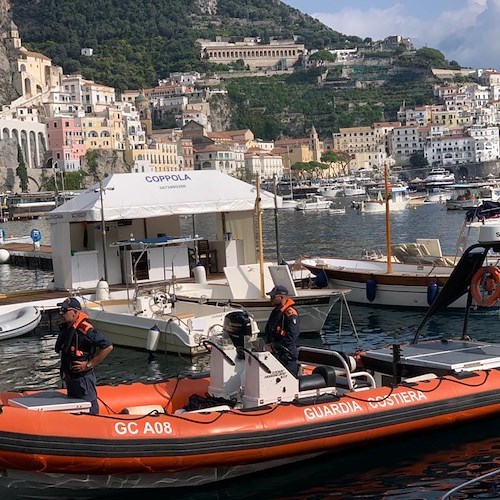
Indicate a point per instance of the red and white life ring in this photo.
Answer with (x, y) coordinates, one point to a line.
(485, 286)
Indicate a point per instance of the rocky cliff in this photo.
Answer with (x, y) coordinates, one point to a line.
(7, 93)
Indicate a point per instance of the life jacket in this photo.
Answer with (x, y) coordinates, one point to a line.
(286, 310)
(81, 326)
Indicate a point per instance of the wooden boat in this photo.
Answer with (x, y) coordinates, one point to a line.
(417, 272)
(471, 195)
(19, 321)
(407, 285)
(251, 414)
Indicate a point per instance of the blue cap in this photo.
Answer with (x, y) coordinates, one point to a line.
(278, 290)
(71, 303)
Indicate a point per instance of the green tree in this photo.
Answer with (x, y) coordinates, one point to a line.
(432, 56)
(309, 170)
(341, 158)
(21, 170)
(323, 55)
(418, 159)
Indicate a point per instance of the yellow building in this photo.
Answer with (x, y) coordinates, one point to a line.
(161, 154)
(104, 131)
(368, 146)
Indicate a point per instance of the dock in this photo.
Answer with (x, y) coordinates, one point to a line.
(23, 255)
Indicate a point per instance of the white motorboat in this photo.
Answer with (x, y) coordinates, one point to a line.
(472, 195)
(182, 325)
(439, 177)
(399, 199)
(313, 202)
(352, 188)
(241, 287)
(19, 321)
(332, 189)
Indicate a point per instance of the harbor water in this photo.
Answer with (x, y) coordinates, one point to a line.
(417, 467)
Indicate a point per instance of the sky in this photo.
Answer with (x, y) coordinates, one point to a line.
(466, 31)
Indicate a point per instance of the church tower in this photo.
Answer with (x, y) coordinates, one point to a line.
(142, 106)
(315, 145)
(12, 40)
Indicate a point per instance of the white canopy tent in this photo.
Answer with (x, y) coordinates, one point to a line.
(145, 205)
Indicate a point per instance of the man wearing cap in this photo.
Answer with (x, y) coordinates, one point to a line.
(283, 325)
(81, 348)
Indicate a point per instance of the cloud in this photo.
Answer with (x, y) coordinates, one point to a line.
(467, 34)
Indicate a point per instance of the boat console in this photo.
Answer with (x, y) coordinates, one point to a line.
(253, 375)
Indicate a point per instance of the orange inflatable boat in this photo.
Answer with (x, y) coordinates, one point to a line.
(250, 414)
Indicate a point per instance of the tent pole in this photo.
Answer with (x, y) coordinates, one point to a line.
(387, 221)
(261, 249)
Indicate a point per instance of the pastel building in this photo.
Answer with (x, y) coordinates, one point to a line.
(159, 155)
(229, 159)
(263, 163)
(66, 143)
(104, 131)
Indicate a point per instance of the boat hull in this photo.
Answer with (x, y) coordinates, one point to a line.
(313, 307)
(406, 286)
(115, 449)
(19, 322)
(181, 330)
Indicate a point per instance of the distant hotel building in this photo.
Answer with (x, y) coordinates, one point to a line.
(277, 54)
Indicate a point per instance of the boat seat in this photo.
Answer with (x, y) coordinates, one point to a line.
(343, 366)
(432, 245)
(142, 410)
(321, 377)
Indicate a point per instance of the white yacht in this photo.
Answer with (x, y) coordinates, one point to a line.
(439, 177)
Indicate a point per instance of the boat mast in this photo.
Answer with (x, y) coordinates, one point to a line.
(259, 229)
(290, 171)
(387, 221)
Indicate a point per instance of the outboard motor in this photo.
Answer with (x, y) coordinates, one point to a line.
(226, 363)
(238, 325)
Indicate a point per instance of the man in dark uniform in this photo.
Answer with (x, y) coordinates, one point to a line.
(81, 348)
(283, 326)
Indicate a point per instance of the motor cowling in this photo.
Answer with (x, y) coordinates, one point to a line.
(238, 325)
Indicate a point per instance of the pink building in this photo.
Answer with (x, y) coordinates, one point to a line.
(66, 143)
